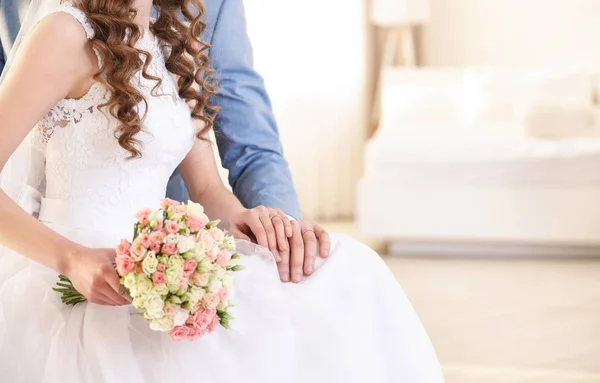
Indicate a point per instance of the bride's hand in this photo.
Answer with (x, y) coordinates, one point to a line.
(268, 227)
(92, 273)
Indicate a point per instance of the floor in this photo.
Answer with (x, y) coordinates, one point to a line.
(508, 321)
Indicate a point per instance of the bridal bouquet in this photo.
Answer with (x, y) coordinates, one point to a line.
(177, 270)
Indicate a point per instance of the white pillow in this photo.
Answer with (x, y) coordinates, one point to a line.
(544, 121)
(421, 99)
(559, 89)
(489, 98)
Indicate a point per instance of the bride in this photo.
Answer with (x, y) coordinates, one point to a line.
(116, 104)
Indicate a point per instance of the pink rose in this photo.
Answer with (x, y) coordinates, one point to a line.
(200, 280)
(169, 310)
(211, 301)
(178, 209)
(159, 225)
(194, 333)
(155, 247)
(217, 234)
(197, 307)
(160, 267)
(138, 268)
(196, 224)
(138, 250)
(211, 254)
(180, 332)
(189, 266)
(223, 293)
(213, 324)
(184, 283)
(159, 279)
(222, 259)
(123, 247)
(169, 248)
(145, 239)
(167, 202)
(171, 227)
(157, 237)
(203, 318)
(206, 239)
(143, 215)
(125, 264)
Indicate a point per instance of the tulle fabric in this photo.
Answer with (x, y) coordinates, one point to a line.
(349, 322)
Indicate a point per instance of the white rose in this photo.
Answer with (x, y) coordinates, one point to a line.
(161, 290)
(129, 280)
(173, 278)
(180, 317)
(163, 324)
(196, 294)
(185, 244)
(176, 262)
(150, 263)
(138, 303)
(172, 238)
(194, 210)
(222, 306)
(154, 305)
(221, 272)
(142, 286)
(215, 285)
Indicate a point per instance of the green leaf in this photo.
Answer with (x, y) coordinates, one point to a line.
(212, 224)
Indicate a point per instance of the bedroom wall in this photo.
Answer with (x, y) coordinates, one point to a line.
(512, 33)
(313, 57)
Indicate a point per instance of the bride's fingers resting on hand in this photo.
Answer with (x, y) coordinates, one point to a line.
(92, 273)
(269, 227)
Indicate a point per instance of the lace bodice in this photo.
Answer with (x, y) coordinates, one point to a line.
(85, 165)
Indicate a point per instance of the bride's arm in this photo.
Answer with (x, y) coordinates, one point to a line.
(53, 62)
(200, 173)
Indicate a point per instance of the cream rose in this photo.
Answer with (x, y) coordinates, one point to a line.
(138, 303)
(154, 305)
(142, 286)
(185, 244)
(129, 280)
(161, 290)
(150, 263)
(163, 324)
(194, 209)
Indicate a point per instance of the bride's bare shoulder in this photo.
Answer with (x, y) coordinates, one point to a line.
(63, 28)
(60, 40)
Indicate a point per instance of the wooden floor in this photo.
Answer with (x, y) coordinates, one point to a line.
(505, 321)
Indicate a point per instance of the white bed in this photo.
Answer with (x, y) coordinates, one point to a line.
(431, 189)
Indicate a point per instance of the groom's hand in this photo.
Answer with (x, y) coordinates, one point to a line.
(306, 241)
(294, 244)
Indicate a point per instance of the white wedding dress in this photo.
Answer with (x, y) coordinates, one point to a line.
(349, 322)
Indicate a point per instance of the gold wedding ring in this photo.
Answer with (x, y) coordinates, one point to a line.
(306, 231)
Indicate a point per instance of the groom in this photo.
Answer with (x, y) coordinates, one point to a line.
(247, 135)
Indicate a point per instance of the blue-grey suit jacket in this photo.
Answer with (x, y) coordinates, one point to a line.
(247, 134)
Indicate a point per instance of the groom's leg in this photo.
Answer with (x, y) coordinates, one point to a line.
(176, 188)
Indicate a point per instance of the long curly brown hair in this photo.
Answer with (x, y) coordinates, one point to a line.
(179, 27)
